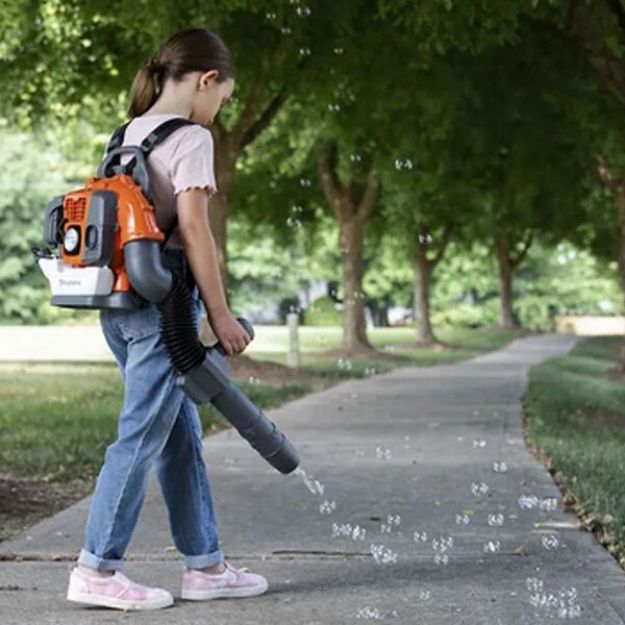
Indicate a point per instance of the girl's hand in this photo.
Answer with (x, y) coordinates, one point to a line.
(230, 333)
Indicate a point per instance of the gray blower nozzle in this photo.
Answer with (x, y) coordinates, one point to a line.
(210, 382)
(203, 373)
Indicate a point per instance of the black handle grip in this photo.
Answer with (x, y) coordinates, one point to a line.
(247, 326)
(136, 166)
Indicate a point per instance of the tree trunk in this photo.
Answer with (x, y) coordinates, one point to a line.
(506, 270)
(225, 165)
(423, 271)
(621, 254)
(351, 243)
(352, 205)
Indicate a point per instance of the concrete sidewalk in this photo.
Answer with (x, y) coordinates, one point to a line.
(441, 448)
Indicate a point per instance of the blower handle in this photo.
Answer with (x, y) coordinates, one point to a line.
(247, 326)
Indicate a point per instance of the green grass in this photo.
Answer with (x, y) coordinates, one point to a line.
(56, 420)
(575, 415)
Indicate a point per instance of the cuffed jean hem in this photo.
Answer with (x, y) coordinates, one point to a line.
(204, 560)
(86, 558)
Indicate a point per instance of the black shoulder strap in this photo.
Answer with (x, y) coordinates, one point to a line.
(117, 138)
(158, 135)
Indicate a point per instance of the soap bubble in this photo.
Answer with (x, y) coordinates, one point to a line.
(479, 488)
(369, 614)
(383, 453)
(303, 11)
(500, 467)
(383, 555)
(463, 519)
(420, 537)
(492, 546)
(442, 543)
(527, 502)
(441, 559)
(393, 520)
(550, 542)
(341, 529)
(285, 30)
(346, 530)
(426, 238)
(401, 165)
(369, 371)
(385, 529)
(334, 107)
(313, 485)
(327, 507)
(305, 51)
(549, 504)
(271, 15)
(425, 595)
(355, 158)
(478, 442)
(533, 584)
(496, 520)
(254, 381)
(294, 223)
(338, 50)
(344, 364)
(305, 182)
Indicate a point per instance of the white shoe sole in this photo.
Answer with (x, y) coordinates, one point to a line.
(223, 593)
(119, 604)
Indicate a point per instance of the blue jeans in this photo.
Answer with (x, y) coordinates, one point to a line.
(158, 424)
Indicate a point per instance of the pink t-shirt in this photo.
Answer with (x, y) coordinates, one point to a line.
(184, 160)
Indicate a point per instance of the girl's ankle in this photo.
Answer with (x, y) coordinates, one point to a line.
(87, 570)
(216, 569)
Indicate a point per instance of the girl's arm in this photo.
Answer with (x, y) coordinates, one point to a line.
(201, 253)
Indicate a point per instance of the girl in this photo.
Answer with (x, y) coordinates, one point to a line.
(191, 77)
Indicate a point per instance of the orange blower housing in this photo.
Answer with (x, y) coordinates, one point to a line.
(90, 228)
(84, 212)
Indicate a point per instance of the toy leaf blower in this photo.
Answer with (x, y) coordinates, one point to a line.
(109, 256)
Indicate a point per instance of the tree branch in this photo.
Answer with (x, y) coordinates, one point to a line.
(264, 119)
(605, 174)
(369, 197)
(520, 257)
(611, 68)
(331, 185)
(442, 248)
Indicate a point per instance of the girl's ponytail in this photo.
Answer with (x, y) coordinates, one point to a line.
(145, 87)
(189, 50)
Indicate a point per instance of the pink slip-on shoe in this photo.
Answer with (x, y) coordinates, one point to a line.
(115, 591)
(232, 583)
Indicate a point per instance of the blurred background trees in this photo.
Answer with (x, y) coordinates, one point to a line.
(382, 161)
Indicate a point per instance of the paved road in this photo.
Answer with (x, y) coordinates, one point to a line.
(438, 449)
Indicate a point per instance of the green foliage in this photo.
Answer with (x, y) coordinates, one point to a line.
(323, 312)
(33, 169)
(564, 280)
(27, 182)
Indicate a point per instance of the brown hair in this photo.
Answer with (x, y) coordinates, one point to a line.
(189, 50)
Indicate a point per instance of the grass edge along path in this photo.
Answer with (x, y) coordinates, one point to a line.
(574, 423)
(58, 418)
